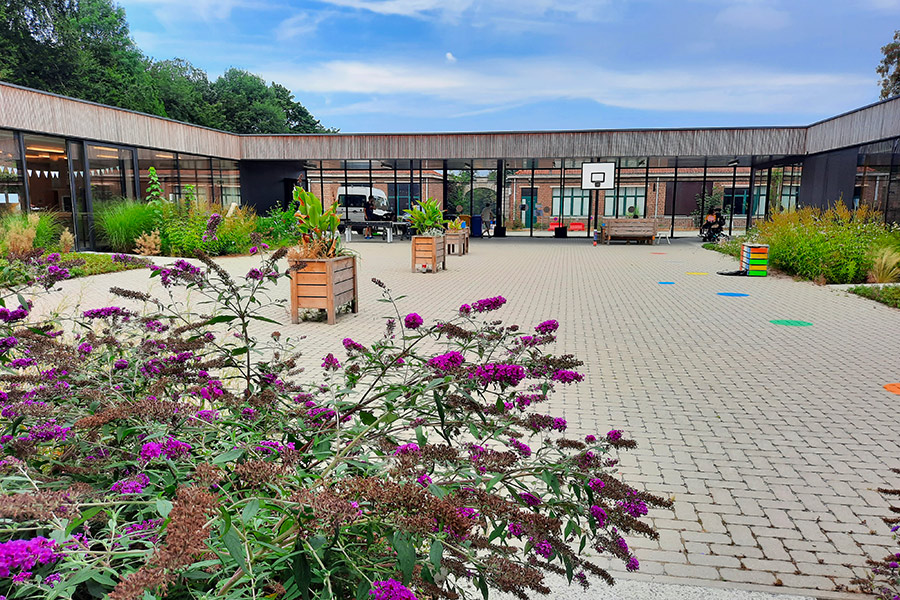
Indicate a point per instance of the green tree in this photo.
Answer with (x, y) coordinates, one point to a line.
(186, 93)
(298, 119)
(889, 69)
(248, 104)
(79, 48)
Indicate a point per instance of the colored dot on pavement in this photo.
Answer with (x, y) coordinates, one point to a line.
(666, 283)
(791, 323)
(696, 273)
(657, 253)
(732, 294)
(894, 388)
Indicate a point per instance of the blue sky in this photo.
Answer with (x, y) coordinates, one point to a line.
(470, 65)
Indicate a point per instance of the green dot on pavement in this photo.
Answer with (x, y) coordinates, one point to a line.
(791, 323)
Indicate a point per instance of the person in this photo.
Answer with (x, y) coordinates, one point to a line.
(487, 215)
(707, 224)
(370, 215)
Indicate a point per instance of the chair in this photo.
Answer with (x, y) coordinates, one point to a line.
(665, 234)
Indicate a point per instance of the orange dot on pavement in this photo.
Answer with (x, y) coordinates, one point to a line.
(894, 388)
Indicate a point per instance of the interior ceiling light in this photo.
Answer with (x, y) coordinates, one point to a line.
(39, 149)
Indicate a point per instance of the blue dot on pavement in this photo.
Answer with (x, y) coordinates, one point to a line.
(733, 294)
(666, 283)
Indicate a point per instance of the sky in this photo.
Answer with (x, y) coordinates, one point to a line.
(500, 65)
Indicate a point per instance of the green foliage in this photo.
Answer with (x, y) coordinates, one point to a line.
(279, 226)
(318, 227)
(154, 189)
(830, 246)
(708, 201)
(427, 218)
(46, 225)
(183, 226)
(731, 247)
(122, 220)
(889, 68)
(886, 294)
(83, 49)
(90, 264)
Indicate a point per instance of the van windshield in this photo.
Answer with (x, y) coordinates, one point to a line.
(359, 201)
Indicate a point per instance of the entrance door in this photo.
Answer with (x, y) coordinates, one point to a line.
(529, 197)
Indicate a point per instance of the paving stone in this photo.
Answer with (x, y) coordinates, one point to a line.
(758, 577)
(692, 571)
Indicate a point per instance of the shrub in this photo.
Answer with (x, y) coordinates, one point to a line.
(183, 229)
(885, 266)
(157, 453)
(121, 221)
(66, 241)
(834, 245)
(20, 232)
(886, 294)
(279, 226)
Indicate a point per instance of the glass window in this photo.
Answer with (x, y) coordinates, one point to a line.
(47, 169)
(84, 219)
(401, 195)
(227, 177)
(112, 172)
(737, 198)
(630, 199)
(576, 202)
(166, 167)
(195, 171)
(12, 184)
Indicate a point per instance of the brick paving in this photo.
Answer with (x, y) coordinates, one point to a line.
(771, 439)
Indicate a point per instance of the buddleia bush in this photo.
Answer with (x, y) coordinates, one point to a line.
(151, 452)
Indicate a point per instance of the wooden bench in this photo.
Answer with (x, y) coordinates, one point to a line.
(629, 229)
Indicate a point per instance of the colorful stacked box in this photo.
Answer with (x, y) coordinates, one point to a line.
(755, 259)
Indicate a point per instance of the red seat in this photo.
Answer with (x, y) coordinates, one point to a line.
(576, 227)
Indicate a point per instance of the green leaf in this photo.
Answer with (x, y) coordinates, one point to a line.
(420, 436)
(362, 590)
(250, 511)
(366, 417)
(302, 572)
(482, 585)
(263, 319)
(497, 532)
(435, 554)
(221, 319)
(233, 542)
(239, 351)
(163, 507)
(84, 517)
(494, 481)
(406, 556)
(229, 456)
(569, 573)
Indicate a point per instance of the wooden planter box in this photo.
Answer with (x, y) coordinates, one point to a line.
(429, 252)
(325, 283)
(457, 242)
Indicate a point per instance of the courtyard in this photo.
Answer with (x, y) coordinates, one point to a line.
(771, 439)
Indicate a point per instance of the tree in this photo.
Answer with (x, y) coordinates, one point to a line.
(248, 104)
(298, 119)
(186, 93)
(889, 69)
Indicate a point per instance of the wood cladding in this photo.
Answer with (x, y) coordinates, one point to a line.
(40, 112)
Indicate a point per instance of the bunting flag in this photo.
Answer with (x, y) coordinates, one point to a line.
(29, 172)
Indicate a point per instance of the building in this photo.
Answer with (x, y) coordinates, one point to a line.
(68, 156)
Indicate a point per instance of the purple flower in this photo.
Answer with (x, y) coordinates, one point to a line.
(8, 343)
(596, 484)
(207, 415)
(23, 555)
(498, 373)
(108, 312)
(445, 362)
(413, 321)
(633, 505)
(424, 480)
(515, 530)
(8, 316)
(529, 499)
(47, 431)
(547, 327)
(465, 310)
(590, 439)
(21, 363)
(559, 424)
(131, 485)
(249, 414)
(254, 250)
(564, 376)
(521, 448)
(599, 514)
(488, 304)
(331, 363)
(151, 450)
(351, 346)
(212, 225)
(120, 364)
(390, 589)
(632, 564)
(410, 448)
(614, 435)
(543, 548)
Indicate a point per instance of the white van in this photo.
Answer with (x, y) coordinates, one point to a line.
(351, 204)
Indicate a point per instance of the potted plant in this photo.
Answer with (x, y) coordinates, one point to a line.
(323, 272)
(428, 245)
(457, 239)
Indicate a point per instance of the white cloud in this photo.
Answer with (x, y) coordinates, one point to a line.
(886, 5)
(753, 15)
(450, 58)
(400, 86)
(483, 11)
(206, 10)
(298, 25)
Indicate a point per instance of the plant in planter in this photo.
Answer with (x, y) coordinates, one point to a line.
(323, 272)
(428, 245)
(457, 237)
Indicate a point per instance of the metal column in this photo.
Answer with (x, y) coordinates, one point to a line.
(733, 194)
(674, 199)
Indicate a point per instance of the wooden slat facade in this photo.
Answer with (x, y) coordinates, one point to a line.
(35, 111)
(39, 112)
